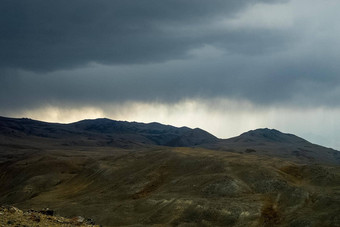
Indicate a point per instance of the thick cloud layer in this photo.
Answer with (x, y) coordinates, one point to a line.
(82, 52)
(44, 35)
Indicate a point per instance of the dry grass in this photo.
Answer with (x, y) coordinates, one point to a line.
(160, 185)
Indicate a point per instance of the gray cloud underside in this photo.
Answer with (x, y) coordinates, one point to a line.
(44, 35)
(142, 51)
(282, 84)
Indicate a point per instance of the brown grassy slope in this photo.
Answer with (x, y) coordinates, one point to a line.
(177, 186)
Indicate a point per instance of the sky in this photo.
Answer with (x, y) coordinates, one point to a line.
(224, 66)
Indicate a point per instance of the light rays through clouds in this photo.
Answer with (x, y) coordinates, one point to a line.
(224, 66)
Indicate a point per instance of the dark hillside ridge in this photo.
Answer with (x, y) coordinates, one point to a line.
(106, 131)
(123, 134)
(268, 135)
(275, 143)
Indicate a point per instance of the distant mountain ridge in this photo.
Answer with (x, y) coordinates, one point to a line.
(272, 135)
(112, 131)
(123, 134)
(272, 142)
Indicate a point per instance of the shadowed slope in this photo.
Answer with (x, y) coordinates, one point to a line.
(105, 132)
(275, 143)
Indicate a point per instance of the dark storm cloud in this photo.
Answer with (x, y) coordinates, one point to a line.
(99, 52)
(45, 35)
(249, 78)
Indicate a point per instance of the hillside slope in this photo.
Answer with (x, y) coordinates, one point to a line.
(173, 186)
(271, 142)
(104, 132)
(122, 173)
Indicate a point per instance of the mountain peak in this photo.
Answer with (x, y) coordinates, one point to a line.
(268, 135)
(263, 130)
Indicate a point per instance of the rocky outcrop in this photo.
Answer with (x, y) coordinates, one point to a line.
(12, 216)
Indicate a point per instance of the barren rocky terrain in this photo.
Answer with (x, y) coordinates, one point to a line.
(120, 173)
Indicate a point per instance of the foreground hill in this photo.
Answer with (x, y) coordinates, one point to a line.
(248, 180)
(173, 186)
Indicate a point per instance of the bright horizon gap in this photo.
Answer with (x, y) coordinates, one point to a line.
(222, 118)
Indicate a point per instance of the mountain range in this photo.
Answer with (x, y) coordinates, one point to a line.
(123, 134)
